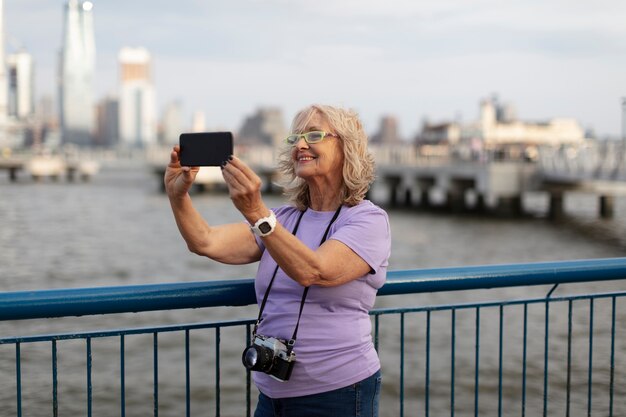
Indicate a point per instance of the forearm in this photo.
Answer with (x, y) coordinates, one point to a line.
(194, 230)
(296, 259)
(333, 263)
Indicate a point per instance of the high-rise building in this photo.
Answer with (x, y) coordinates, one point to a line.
(76, 78)
(21, 103)
(3, 84)
(265, 127)
(107, 117)
(137, 102)
(387, 133)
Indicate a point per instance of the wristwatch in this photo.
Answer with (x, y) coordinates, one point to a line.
(265, 225)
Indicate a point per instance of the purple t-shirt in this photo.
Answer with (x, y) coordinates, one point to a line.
(334, 346)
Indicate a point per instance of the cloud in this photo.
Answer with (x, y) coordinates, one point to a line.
(404, 57)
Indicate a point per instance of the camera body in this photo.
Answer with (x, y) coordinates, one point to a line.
(271, 356)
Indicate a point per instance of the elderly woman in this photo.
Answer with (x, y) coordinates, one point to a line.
(322, 259)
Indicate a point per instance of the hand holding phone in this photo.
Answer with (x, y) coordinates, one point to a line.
(205, 149)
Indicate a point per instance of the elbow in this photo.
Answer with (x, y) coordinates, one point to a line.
(197, 249)
(193, 249)
(307, 281)
(304, 276)
(312, 276)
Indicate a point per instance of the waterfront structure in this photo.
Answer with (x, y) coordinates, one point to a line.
(387, 133)
(107, 127)
(137, 100)
(21, 85)
(76, 76)
(265, 127)
(498, 128)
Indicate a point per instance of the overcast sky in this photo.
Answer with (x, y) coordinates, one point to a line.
(408, 58)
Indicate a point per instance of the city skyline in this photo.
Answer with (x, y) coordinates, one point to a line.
(410, 61)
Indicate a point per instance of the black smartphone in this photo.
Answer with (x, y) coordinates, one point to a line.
(205, 149)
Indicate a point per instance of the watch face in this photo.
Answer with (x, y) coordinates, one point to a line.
(265, 227)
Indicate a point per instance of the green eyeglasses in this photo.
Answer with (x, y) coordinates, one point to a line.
(310, 137)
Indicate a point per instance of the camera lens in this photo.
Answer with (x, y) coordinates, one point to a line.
(250, 357)
(257, 358)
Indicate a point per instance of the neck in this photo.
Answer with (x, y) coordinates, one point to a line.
(324, 199)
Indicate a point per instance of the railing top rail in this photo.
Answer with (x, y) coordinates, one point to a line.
(125, 299)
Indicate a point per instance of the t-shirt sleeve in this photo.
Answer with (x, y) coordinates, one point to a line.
(367, 233)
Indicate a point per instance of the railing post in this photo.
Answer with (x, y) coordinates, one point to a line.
(18, 378)
(89, 383)
(590, 377)
(476, 362)
(55, 402)
(155, 370)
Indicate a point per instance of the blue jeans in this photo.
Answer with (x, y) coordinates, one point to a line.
(358, 400)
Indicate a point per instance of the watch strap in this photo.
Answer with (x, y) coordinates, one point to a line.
(265, 225)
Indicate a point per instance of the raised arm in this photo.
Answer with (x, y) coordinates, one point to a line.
(333, 263)
(229, 243)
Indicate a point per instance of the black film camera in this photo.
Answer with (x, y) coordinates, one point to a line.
(269, 355)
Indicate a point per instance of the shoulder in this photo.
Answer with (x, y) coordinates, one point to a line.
(365, 219)
(364, 210)
(365, 229)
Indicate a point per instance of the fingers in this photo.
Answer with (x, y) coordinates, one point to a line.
(243, 167)
(240, 176)
(174, 155)
(234, 182)
(175, 162)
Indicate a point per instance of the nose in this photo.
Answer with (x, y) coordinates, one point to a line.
(301, 143)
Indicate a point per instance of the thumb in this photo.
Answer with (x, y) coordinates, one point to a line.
(190, 173)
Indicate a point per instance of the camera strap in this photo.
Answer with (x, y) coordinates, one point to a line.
(292, 341)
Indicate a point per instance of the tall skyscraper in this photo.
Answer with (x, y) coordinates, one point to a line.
(137, 103)
(3, 82)
(21, 103)
(107, 121)
(76, 102)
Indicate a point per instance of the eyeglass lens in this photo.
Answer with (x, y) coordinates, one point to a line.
(310, 137)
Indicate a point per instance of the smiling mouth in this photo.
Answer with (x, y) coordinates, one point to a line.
(305, 158)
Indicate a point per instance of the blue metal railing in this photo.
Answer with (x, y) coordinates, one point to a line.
(137, 298)
(466, 334)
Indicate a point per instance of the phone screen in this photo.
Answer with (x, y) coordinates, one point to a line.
(205, 149)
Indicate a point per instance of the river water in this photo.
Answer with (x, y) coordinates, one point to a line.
(117, 229)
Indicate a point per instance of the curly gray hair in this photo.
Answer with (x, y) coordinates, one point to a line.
(358, 166)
